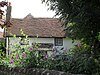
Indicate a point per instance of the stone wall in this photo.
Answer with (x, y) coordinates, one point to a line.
(32, 71)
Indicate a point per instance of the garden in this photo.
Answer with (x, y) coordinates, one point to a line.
(78, 60)
(81, 20)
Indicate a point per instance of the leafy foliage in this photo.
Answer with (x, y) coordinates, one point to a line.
(2, 47)
(83, 61)
(2, 51)
(81, 19)
(78, 60)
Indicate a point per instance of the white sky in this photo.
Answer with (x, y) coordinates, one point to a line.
(21, 8)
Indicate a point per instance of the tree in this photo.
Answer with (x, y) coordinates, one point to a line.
(5, 22)
(81, 20)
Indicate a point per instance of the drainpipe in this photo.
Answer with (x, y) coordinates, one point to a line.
(8, 24)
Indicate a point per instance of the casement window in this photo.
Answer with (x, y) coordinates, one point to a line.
(43, 45)
(24, 41)
(58, 41)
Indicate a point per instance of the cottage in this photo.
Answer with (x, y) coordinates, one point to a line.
(49, 31)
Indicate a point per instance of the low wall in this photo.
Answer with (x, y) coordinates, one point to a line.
(32, 71)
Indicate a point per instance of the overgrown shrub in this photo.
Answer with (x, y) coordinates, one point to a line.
(82, 61)
(77, 60)
(2, 47)
(2, 51)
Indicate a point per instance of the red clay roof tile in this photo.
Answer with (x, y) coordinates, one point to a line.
(43, 27)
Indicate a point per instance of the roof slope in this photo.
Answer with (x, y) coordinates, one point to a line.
(43, 27)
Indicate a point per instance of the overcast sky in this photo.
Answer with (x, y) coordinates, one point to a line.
(21, 8)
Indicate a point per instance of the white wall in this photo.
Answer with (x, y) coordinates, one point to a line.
(67, 43)
(31, 40)
(41, 40)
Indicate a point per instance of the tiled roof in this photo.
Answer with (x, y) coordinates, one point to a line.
(43, 27)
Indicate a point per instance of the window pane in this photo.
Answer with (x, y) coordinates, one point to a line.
(58, 41)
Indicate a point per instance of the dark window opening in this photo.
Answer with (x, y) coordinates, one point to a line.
(58, 41)
(43, 45)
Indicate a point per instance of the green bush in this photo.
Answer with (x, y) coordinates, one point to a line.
(2, 48)
(78, 60)
(2, 51)
(82, 61)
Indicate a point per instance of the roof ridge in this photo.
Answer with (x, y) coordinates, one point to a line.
(45, 18)
(29, 16)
